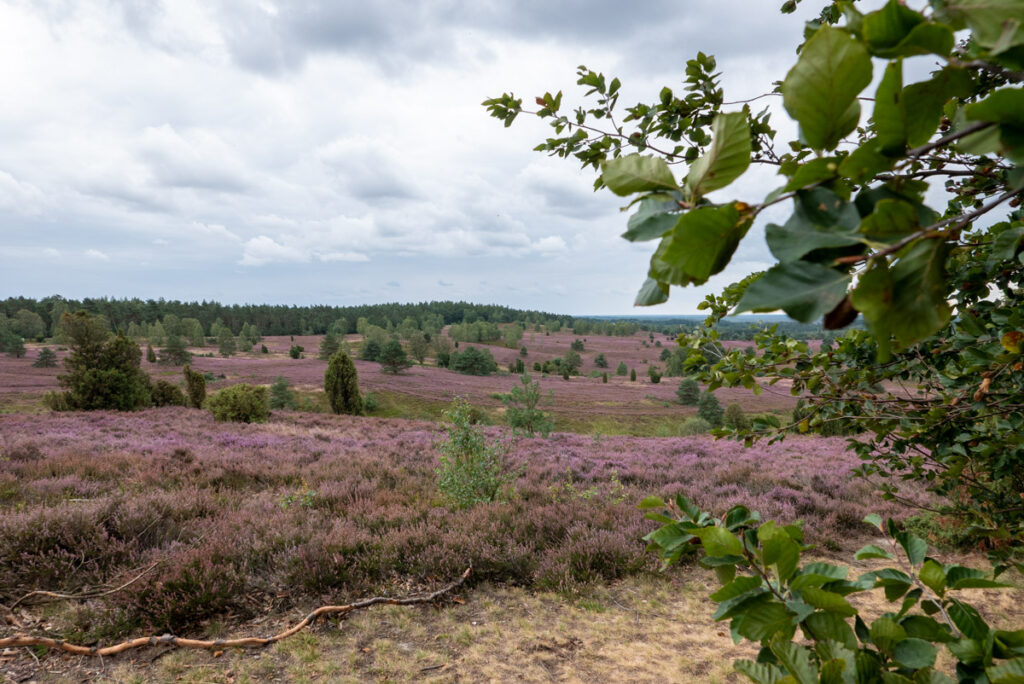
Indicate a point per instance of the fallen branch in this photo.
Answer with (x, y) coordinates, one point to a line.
(85, 595)
(25, 640)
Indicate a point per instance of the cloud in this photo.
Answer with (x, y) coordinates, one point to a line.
(96, 254)
(263, 250)
(343, 256)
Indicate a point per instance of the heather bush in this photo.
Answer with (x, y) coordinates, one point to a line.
(195, 386)
(473, 469)
(167, 394)
(242, 403)
(688, 392)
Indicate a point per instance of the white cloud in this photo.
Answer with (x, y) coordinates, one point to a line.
(263, 250)
(96, 254)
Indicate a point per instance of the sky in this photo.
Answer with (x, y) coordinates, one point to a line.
(335, 152)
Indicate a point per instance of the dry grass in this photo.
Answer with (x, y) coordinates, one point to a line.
(643, 629)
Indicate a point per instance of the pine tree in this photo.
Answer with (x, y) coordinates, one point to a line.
(281, 395)
(688, 392)
(175, 353)
(709, 409)
(195, 385)
(392, 358)
(225, 342)
(150, 354)
(632, 375)
(47, 359)
(341, 385)
(328, 348)
(622, 369)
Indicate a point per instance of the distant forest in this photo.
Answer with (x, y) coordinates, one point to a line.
(316, 320)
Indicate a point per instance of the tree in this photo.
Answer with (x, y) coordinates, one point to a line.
(521, 408)
(225, 342)
(600, 361)
(342, 386)
(472, 470)
(473, 361)
(150, 354)
(572, 361)
(512, 334)
(688, 392)
(392, 357)
(621, 369)
(709, 409)
(295, 351)
(419, 345)
(103, 372)
(523, 352)
(281, 394)
(328, 347)
(370, 350)
(576, 346)
(654, 374)
(195, 387)
(939, 289)
(242, 403)
(175, 353)
(632, 374)
(47, 359)
(735, 418)
(29, 324)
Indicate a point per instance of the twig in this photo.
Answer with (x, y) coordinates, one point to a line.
(24, 640)
(55, 596)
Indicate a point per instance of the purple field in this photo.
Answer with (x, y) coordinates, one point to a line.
(241, 517)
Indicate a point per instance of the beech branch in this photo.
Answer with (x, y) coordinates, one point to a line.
(24, 640)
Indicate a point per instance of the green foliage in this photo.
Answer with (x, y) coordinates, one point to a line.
(735, 418)
(694, 425)
(370, 350)
(654, 374)
(600, 361)
(392, 357)
(940, 289)
(688, 392)
(341, 384)
(195, 387)
(281, 394)
(328, 347)
(769, 598)
(295, 351)
(174, 353)
(241, 403)
(370, 402)
(604, 378)
(632, 374)
(576, 345)
(419, 346)
(167, 394)
(521, 408)
(709, 409)
(103, 372)
(47, 358)
(472, 469)
(226, 342)
(621, 369)
(571, 362)
(28, 324)
(523, 352)
(473, 361)
(263, 349)
(150, 354)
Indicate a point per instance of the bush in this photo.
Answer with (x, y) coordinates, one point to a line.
(735, 418)
(709, 409)
(47, 359)
(296, 351)
(521, 408)
(263, 349)
(103, 372)
(370, 350)
(341, 383)
(473, 361)
(621, 369)
(472, 470)
(688, 392)
(604, 378)
(242, 403)
(328, 347)
(370, 402)
(632, 375)
(392, 358)
(195, 386)
(654, 374)
(600, 361)
(523, 352)
(57, 401)
(281, 395)
(167, 394)
(694, 425)
(150, 354)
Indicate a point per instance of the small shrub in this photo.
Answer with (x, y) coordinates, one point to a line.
(195, 386)
(263, 349)
(688, 392)
(242, 403)
(167, 394)
(472, 470)
(522, 409)
(632, 375)
(150, 354)
(600, 361)
(709, 409)
(654, 374)
(341, 383)
(47, 359)
(735, 418)
(523, 352)
(296, 351)
(57, 401)
(694, 425)
(621, 369)
(281, 395)
(370, 402)
(604, 378)
(576, 346)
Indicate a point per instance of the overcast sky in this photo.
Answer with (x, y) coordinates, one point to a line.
(335, 152)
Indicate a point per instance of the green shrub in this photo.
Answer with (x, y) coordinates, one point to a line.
(167, 394)
(735, 418)
(621, 369)
(341, 383)
(281, 395)
(57, 401)
(709, 409)
(522, 410)
(472, 469)
(370, 402)
(242, 403)
(295, 351)
(195, 387)
(688, 392)
(694, 425)
(632, 375)
(47, 359)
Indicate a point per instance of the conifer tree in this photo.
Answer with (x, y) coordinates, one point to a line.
(341, 385)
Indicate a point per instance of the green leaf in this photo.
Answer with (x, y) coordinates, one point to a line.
(967, 651)
(885, 634)
(652, 502)
(821, 90)
(967, 620)
(805, 291)
(897, 31)
(871, 551)
(762, 673)
(719, 541)
(651, 292)
(914, 653)
(866, 162)
(927, 99)
(832, 627)
(873, 298)
(890, 115)
(1005, 106)
(813, 172)
(738, 587)
(764, 620)
(989, 19)
(700, 245)
(1006, 644)
(926, 628)
(933, 577)
(890, 220)
(1010, 672)
(914, 546)
(1005, 245)
(826, 600)
(726, 159)
(874, 519)
(919, 292)
(637, 173)
(653, 218)
(820, 220)
(796, 660)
